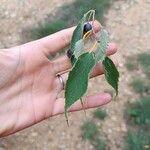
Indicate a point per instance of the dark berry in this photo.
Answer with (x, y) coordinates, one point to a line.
(87, 27)
(69, 53)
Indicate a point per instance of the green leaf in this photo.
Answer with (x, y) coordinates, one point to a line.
(111, 73)
(78, 33)
(77, 36)
(77, 82)
(79, 48)
(102, 46)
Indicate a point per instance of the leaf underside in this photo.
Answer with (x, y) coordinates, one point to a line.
(77, 82)
(111, 73)
(79, 48)
(102, 46)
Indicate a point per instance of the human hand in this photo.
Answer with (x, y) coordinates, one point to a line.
(29, 86)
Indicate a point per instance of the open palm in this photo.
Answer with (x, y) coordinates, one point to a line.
(29, 86)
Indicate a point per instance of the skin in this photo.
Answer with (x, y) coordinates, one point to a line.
(28, 84)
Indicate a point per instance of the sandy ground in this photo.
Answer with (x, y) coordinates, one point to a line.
(129, 25)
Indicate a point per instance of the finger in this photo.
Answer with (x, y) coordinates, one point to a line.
(63, 63)
(89, 102)
(59, 40)
(97, 70)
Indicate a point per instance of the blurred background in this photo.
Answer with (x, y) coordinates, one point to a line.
(124, 124)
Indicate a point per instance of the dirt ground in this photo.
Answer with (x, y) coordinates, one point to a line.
(128, 22)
